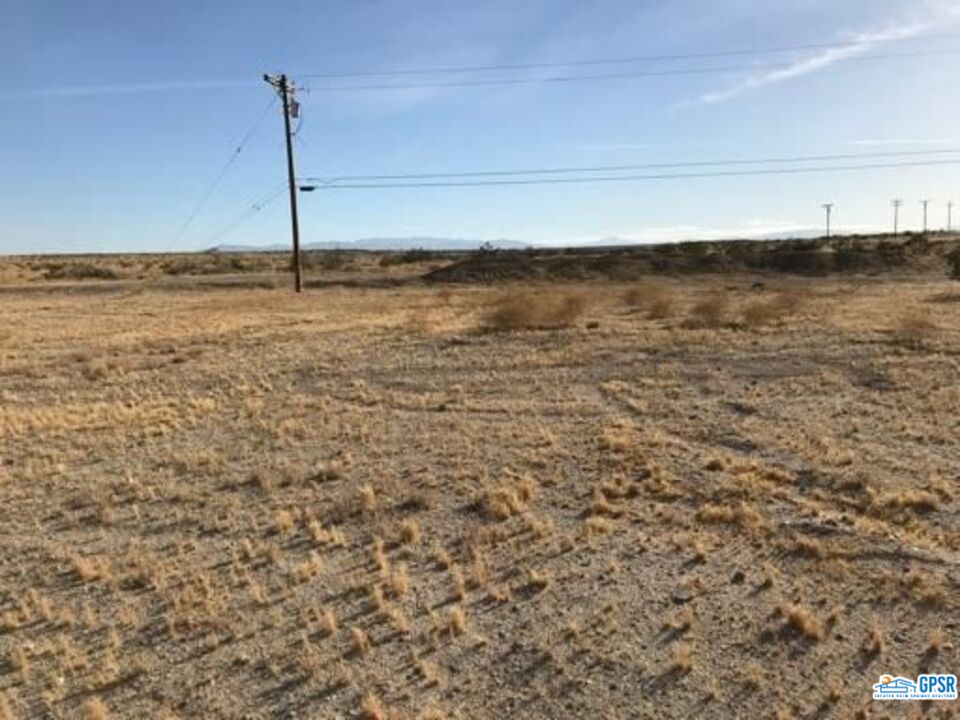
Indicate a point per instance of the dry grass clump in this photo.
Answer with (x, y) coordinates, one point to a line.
(90, 569)
(546, 309)
(741, 514)
(597, 525)
(681, 658)
(368, 498)
(372, 709)
(875, 643)
(710, 311)
(802, 621)
(95, 709)
(765, 312)
(399, 581)
(753, 676)
(914, 330)
(79, 271)
(410, 532)
(906, 499)
(656, 302)
(926, 589)
(936, 641)
(283, 521)
(457, 621)
(538, 580)
(359, 640)
(507, 499)
(616, 440)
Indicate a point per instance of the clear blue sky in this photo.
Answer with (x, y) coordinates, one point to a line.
(117, 115)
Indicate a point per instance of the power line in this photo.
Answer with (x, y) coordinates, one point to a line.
(632, 178)
(620, 168)
(250, 212)
(612, 61)
(223, 171)
(484, 82)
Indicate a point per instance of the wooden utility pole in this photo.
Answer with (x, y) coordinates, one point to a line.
(282, 86)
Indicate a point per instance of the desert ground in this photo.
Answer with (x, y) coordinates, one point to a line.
(672, 497)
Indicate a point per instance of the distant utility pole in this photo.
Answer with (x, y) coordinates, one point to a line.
(290, 107)
(829, 209)
(925, 204)
(896, 216)
(950, 216)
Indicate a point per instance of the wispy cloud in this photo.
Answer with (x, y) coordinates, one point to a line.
(857, 45)
(79, 91)
(903, 142)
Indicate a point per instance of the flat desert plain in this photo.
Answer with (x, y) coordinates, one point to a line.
(672, 498)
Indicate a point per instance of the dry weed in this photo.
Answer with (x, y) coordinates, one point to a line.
(710, 311)
(547, 309)
(656, 302)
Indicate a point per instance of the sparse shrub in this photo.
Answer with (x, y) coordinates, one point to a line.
(89, 569)
(329, 260)
(655, 301)
(547, 309)
(213, 264)
(328, 621)
(709, 312)
(410, 532)
(538, 581)
(753, 676)
(875, 642)
(919, 501)
(359, 640)
(95, 709)
(953, 264)
(309, 568)
(457, 620)
(936, 641)
(372, 709)
(399, 581)
(79, 271)
(809, 547)
(19, 661)
(283, 521)
(681, 658)
(506, 499)
(764, 312)
(914, 330)
(368, 497)
(597, 525)
(802, 621)
(459, 583)
(414, 255)
(616, 440)
(741, 514)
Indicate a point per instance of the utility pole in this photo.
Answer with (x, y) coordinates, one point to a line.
(829, 208)
(925, 204)
(896, 216)
(282, 86)
(950, 216)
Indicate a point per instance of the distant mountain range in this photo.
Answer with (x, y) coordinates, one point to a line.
(462, 244)
(408, 243)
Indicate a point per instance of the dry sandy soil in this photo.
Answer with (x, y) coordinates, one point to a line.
(671, 499)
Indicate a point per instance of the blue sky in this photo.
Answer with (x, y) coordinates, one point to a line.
(118, 115)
